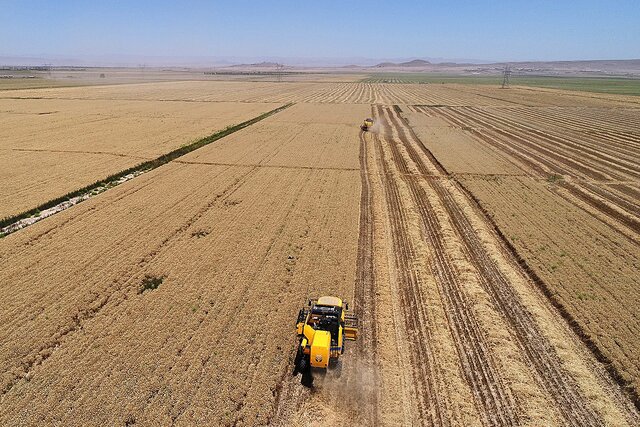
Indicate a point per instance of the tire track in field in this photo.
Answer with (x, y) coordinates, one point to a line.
(493, 398)
(365, 286)
(431, 405)
(620, 124)
(529, 160)
(535, 346)
(102, 153)
(598, 198)
(552, 149)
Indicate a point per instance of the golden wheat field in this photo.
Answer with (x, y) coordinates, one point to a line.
(50, 147)
(487, 240)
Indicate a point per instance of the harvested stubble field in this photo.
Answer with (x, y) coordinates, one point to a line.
(487, 240)
(324, 92)
(562, 185)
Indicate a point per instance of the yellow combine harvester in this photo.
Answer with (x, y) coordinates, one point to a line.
(322, 329)
(368, 123)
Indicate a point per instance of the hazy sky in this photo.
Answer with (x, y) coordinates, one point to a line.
(485, 30)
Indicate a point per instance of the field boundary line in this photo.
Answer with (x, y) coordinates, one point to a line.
(365, 281)
(256, 165)
(99, 153)
(13, 223)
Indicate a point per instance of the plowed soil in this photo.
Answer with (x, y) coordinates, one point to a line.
(486, 240)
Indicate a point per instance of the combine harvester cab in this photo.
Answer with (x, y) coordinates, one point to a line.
(322, 329)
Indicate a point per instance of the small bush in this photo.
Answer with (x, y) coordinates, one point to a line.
(150, 283)
(199, 233)
(554, 179)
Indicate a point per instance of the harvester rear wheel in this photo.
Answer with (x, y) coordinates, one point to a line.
(336, 367)
(307, 380)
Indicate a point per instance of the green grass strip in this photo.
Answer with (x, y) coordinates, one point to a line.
(146, 166)
(597, 84)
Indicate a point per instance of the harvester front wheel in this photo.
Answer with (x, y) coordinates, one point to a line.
(307, 379)
(298, 362)
(302, 365)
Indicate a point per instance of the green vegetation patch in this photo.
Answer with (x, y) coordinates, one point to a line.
(612, 85)
(150, 283)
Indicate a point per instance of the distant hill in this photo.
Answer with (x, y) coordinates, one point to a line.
(622, 68)
(414, 63)
(263, 64)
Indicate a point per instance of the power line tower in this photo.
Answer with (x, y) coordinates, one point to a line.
(506, 74)
(279, 71)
